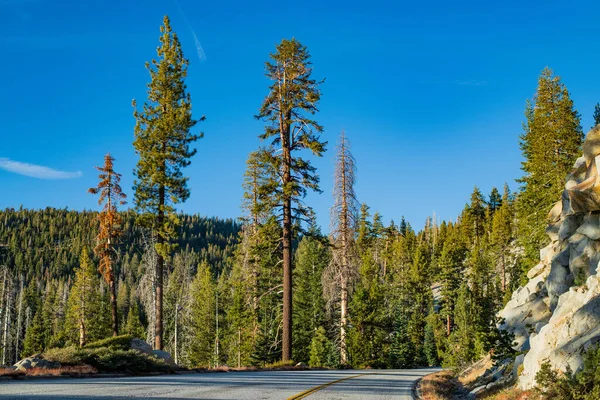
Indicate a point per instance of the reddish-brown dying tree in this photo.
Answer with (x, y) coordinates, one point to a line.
(110, 230)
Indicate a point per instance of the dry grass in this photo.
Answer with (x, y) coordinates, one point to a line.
(440, 386)
(471, 374)
(62, 371)
(67, 370)
(512, 394)
(244, 369)
(222, 368)
(10, 372)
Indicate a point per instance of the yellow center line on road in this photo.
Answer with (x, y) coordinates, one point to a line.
(308, 392)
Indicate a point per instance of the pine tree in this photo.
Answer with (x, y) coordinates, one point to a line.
(596, 114)
(495, 200)
(85, 303)
(241, 316)
(430, 346)
(370, 318)
(34, 336)
(501, 237)
(202, 318)
(364, 229)
(162, 141)
(134, 326)
(311, 258)
(48, 313)
(256, 250)
(110, 230)
(550, 144)
(402, 351)
(419, 290)
(264, 350)
(484, 293)
(319, 347)
(477, 213)
(451, 274)
(287, 109)
(342, 269)
(461, 342)
(260, 184)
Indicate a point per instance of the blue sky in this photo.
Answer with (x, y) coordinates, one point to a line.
(431, 94)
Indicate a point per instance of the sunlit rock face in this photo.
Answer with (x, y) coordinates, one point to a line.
(556, 316)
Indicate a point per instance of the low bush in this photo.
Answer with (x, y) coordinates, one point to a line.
(122, 342)
(131, 361)
(584, 385)
(107, 359)
(280, 364)
(66, 355)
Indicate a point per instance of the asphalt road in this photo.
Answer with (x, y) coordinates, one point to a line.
(349, 384)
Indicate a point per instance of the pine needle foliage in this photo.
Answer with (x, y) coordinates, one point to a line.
(163, 142)
(550, 144)
(287, 111)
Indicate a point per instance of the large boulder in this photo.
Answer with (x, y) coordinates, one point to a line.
(141, 346)
(527, 308)
(556, 315)
(165, 356)
(573, 327)
(35, 362)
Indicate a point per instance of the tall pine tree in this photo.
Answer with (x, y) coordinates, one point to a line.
(162, 141)
(288, 110)
(550, 144)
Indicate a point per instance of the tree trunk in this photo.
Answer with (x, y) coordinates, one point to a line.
(158, 323)
(6, 327)
(19, 321)
(113, 305)
(286, 354)
(503, 273)
(448, 325)
(343, 321)
(239, 353)
(176, 332)
(81, 333)
(286, 350)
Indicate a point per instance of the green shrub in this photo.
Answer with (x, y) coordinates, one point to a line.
(280, 364)
(107, 359)
(132, 361)
(122, 342)
(66, 356)
(551, 384)
(584, 385)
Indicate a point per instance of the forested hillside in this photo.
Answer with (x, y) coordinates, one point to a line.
(40, 251)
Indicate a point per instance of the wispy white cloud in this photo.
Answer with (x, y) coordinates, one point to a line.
(36, 171)
(199, 49)
(472, 82)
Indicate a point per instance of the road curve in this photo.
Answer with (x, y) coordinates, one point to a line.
(349, 384)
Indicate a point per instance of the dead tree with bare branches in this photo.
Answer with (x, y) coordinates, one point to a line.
(342, 270)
